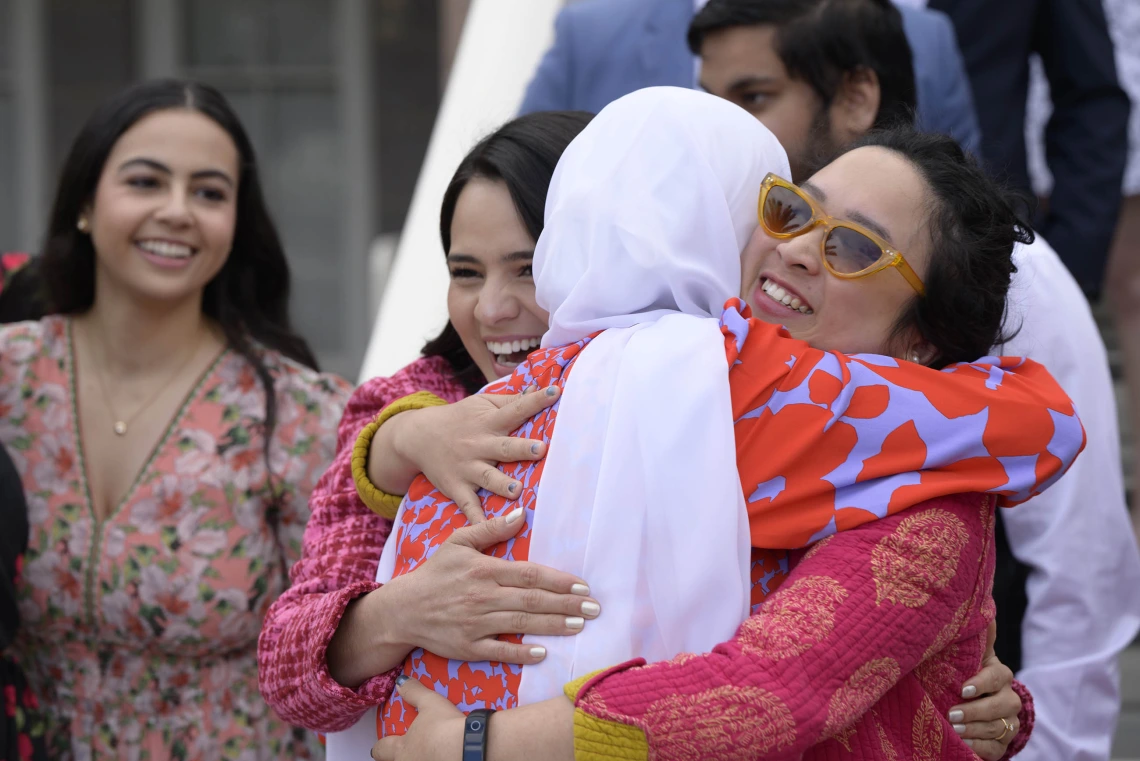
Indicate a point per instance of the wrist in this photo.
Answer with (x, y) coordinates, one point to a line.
(385, 615)
(401, 430)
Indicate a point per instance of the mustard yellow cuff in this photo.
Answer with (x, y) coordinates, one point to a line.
(601, 739)
(381, 502)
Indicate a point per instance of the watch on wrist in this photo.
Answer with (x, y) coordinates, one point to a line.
(475, 734)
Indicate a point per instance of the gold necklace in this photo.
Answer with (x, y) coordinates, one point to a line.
(121, 426)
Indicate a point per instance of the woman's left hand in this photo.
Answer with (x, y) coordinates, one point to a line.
(436, 733)
(979, 721)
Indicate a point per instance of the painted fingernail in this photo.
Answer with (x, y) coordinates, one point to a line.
(551, 391)
(580, 589)
(514, 515)
(969, 742)
(534, 448)
(956, 717)
(960, 728)
(514, 485)
(538, 652)
(969, 691)
(591, 608)
(575, 622)
(401, 679)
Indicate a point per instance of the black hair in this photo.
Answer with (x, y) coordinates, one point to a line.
(522, 154)
(820, 41)
(248, 298)
(974, 223)
(23, 296)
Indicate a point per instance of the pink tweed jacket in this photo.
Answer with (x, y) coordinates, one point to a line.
(339, 555)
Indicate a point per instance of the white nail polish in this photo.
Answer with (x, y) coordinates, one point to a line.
(580, 589)
(514, 515)
(575, 622)
(538, 652)
(960, 728)
(591, 608)
(969, 691)
(956, 717)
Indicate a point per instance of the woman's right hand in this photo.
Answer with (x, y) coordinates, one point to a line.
(458, 602)
(459, 446)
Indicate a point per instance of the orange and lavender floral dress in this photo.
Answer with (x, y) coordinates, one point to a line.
(825, 443)
(139, 632)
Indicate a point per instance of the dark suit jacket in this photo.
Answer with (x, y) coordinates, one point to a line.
(1086, 140)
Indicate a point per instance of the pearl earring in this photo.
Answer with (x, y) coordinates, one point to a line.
(914, 358)
(82, 225)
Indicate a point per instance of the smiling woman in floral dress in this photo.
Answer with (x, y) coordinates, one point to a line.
(168, 426)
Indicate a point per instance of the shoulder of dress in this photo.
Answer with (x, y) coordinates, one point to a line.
(28, 339)
(291, 375)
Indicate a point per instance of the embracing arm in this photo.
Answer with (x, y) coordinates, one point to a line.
(865, 436)
(458, 447)
(894, 609)
(858, 615)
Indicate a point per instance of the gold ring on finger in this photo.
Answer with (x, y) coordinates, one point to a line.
(1006, 731)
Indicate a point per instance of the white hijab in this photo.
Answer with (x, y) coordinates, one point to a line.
(646, 217)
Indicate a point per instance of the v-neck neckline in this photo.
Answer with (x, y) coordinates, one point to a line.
(156, 449)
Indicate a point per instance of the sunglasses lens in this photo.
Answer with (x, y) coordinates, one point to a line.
(848, 251)
(784, 211)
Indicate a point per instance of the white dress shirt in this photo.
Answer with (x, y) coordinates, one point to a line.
(1084, 582)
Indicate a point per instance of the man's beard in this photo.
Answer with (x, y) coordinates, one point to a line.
(819, 147)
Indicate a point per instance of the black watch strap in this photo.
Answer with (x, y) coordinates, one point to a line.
(475, 734)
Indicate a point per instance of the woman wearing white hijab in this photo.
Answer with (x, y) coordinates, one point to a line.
(646, 216)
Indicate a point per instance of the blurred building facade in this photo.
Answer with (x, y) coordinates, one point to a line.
(339, 97)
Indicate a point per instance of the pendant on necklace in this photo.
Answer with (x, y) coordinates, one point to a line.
(120, 428)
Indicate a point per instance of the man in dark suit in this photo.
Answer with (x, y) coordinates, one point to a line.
(1086, 140)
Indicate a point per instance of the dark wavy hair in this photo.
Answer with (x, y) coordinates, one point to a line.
(974, 223)
(820, 41)
(248, 298)
(522, 154)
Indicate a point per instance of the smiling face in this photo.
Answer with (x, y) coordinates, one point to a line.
(491, 300)
(882, 191)
(163, 213)
(741, 65)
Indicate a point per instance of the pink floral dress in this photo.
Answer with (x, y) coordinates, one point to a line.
(140, 631)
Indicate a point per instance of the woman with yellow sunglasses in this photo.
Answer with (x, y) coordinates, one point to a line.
(859, 649)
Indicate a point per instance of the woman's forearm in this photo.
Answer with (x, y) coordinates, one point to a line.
(367, 641)
(543, 730)
(388, 469)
